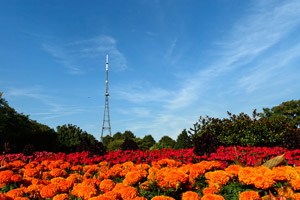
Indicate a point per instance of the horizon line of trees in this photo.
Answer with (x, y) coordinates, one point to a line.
(278, 126)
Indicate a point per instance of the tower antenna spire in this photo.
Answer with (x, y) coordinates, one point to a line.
(106, 118)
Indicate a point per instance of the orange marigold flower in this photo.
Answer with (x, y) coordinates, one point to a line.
(100, 197)
(107, 185)
(296, 196)
(63, 196)
(139, 198)
(144, 185)
(16, 164)
(49, 191)
(5, 176)
(218, 176)
(112, 195)
(132, 178)
(46, 175)
(247, 175)
(35, 181)
(249, 195)
(278, 174)
(66, 165)
(118, 186)
(31, 172)
(263, 182)
(77, 168)
(16, 178)
(295, 183)
(84, 191)
(189, 195)
(162, 197)
(128, 192)
(14, 193)
(233, 170)
(74, 178)
(34, 190)
(285, 191)
(58, 172)
(212, 197)
(210, 190)
(20, 198)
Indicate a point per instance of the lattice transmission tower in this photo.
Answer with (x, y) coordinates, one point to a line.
(106, 119)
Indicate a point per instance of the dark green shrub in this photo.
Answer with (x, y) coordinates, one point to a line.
(205, 144)
(292, 140)
(129, 144)
(28, 150)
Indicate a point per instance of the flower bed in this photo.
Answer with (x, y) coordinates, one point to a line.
(249, 155)
(166, 179)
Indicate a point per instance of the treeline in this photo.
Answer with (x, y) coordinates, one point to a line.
(278, 126)
(18, 134)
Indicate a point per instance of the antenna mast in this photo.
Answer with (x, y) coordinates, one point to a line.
(106, 122)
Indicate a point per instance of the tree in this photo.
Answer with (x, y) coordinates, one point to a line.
(183, 141)
(106, 140)
(165, 142)
(17, 129)
(129, 144)
(69, 136)
(290, 110)
(128, 134)
(115, 145)
(118, 136)
(146, 143)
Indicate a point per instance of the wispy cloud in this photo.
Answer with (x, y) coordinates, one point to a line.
(249, 39)
(74, 55)
(50, 105)
(141, 93)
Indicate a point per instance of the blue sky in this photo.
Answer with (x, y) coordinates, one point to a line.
(170, 61)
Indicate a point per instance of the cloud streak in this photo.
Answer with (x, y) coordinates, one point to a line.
(74, 55)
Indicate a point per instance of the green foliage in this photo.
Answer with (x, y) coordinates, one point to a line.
(146, 143)
(183, 141)
(106, 140)
(118, 136)
(243, 130)
(128, 134)
(70, 136)
(290, 110)
(129, 144)
(19, 130)
(205, 144)
(165, 142)
(115, 145)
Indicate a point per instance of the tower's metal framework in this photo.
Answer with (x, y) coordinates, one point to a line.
(106, 118)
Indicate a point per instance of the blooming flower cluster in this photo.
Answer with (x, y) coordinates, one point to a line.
(165, 179)
(249, 155)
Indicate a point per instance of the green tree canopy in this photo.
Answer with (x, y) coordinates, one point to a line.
(289, 109)
(69, 136)
(165, 142)
(146, 143)
(183, 141)
(17, 129)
